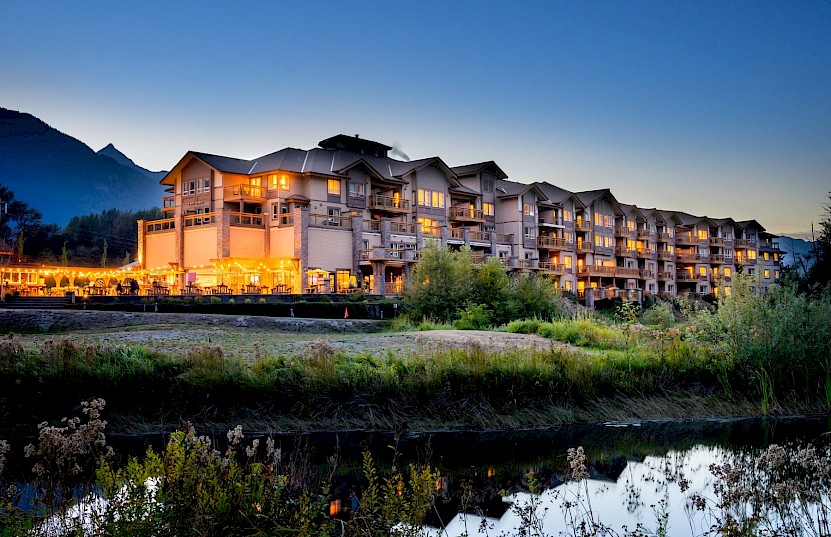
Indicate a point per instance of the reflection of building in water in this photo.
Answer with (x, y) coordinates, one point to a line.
(345, 213)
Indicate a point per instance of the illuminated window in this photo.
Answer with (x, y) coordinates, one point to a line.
(609, 242)
(428, 225)
(728, 291)
(751, 254)
(767, 256)
(608, 220)
(767, 274)
(702, 233)
(567, 215)
(598, 219)
(702, 271)
(333, 187)
(775, 256)
(775, 274)
(528, 209)
(438, 199)
(487, 209)
(598, 240)
(728, 272)
(278, 181)
(630, 225)
(567, 261)
(256, 181)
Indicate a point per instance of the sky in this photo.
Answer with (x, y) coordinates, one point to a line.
(713, 108)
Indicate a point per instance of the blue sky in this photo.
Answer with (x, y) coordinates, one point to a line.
(714, 108)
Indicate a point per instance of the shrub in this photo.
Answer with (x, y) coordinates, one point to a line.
(660, 315)
(474, 318)
(248, 301)
(216, 300)
(261, 301)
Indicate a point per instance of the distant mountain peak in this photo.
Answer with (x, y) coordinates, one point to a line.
(111, 151)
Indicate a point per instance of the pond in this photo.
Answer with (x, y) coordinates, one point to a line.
(661, 478)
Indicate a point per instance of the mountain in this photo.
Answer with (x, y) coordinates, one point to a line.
(62, 177)
(796, 250)
(124, 160)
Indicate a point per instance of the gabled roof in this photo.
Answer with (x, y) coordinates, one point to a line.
(588, 197)
(744, 224)
(558, 195)
(629, 209)
(688, 219)
(464, 191)
(511, 189)
(472, 169)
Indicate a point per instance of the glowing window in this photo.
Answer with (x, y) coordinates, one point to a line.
(333, 187)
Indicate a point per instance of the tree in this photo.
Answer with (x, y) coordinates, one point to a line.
(440, 286)
(104, 254)
(820, 272)
(65, 254)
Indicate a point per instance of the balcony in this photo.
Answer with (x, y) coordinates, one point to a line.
(550, 222)
(717, 241)
(666, 276)
(387, 254)
(745, 261)
(687, 277)
(623, 251)
(645, 274)
(645, 234)
(553, 268)
(402, 227)
(372, 225)
(717, 259)
(466, 214)
(334, 221)
(551, 243)
(686, 239)
(666, 237)
(388, 204)
(204, 219)
(245, 193)
(625, 232)
(691, 258)
(247, 220)
(168, 204)
(593, 270)
(457, 233)
(431, 231)
(393, 288)
(646, 253)
(479, 236)
(666, 255)
(583, 225)
(585, 247)
(286, 219)
(504, 238)
(744, 244)
(158, 226)
(627, 272)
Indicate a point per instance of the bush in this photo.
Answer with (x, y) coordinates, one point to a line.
(474, 318)
(660, 315)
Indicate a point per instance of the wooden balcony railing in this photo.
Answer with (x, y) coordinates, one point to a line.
(645, 234)
(372, 225)
(623, 251)
(716, 241)
(687, 277)
(550, 221)
(585, 247)
(204, 219)
(666, 276)
(592, 270)
(691, 258)
(431, 231)
(646, 253)
(553, 268)
(469, 214)
(403, 227)
(583, 225)
(479, 236)
(157, 226)
(627, 272)
(666, 237)
(388, 204)
(245, 193)
(325, 220)
(552, 243)
(623, 231)
(168, 203)
(717, 258)
(247, 219)
(379, 254)
(287, 219)
(646, 274)
(686, 238)
(744, 243)
(457, 233)
(665, 255)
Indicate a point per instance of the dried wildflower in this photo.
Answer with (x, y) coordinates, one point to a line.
(577, 462)
(235, 436)
(252, 450)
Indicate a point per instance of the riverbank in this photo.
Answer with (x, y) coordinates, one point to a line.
(157, 370)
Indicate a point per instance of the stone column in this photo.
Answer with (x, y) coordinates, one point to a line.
(466, 235)
(301, 243)
(357, 241)
(386, 233)
(445, 234)
(223, 233)
(380, 287)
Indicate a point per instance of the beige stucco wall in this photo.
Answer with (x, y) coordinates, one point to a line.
(282, 242)
(330, 249)
(247, 242)
(200, 246)
(160, 249)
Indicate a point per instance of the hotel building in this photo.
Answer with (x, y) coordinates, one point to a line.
(345, 215)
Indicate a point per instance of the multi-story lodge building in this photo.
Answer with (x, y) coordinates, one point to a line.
(345, 215)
